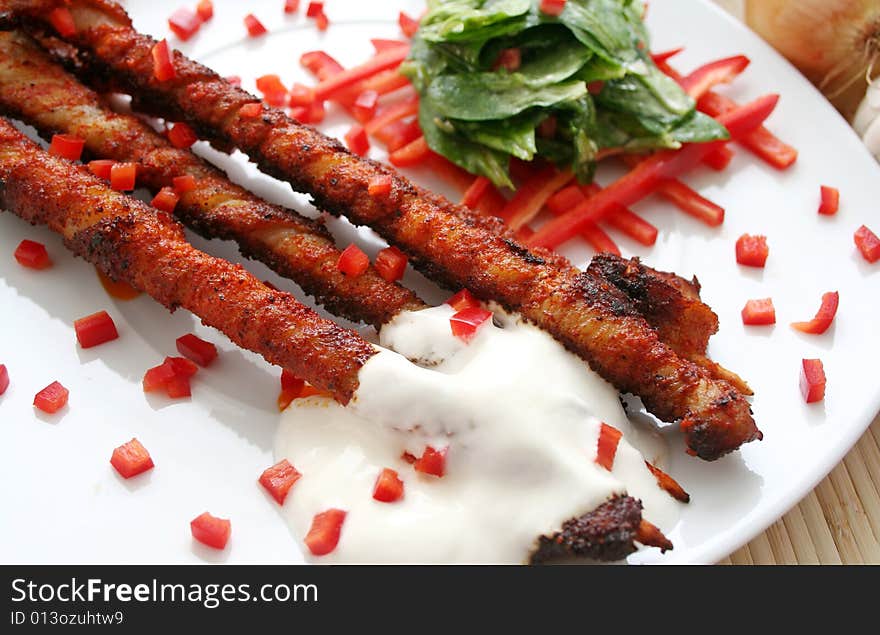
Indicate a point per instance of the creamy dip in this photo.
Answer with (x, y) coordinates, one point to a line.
(520, 417)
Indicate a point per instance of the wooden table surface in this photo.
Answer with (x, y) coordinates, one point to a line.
(839, 521)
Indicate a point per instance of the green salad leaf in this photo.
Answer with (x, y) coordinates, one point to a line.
(585, 70)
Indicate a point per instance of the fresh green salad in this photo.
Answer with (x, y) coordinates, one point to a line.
(500, 79)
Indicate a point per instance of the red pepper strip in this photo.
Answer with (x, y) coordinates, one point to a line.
(720, 159)
(411, 154)
(4, 379)
(398, 134)
(703, 79)
(334, 85)
(600, 240)
(474, 194)
(569, 197)
(405, 108)
(812, 381)
(385, 82)
(492, 203)
(690, 202)
(626, 220)
(645, 179)
(660, 58)
(531, 196)
(609, 438)
(824, 317)
(320, 64)
(380, 44)
(669, 484)
(760, 141)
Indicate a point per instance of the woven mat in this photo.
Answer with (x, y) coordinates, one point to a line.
(839, 521)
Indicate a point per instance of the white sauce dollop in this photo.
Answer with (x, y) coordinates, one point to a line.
(520, 417)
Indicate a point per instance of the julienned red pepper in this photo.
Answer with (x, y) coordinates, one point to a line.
(752, 251)
(364, 107)
(645, 178)
(703, 79)
(198, 350)
(759, 313)
(824, 317)
(398, 111)
(357, 141)
(323, 536)
(868, 243)
(669, 484)
(337, 83)
(830, 201)
(278, 480)
(691, 202)
(466, 322)
(408, 25)
(606, 448)
(52, 398)
(431, 462)
(131, 459)
(532, 194)
(211, 531)
(32, 255)
(388, 487)
(411, 154)
(4, 379)
(95, 329)
(812, 380)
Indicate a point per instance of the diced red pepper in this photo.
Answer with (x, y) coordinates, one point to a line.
(163, 63)
(311, 114)
(131, 459)
(205, 9)
(251, 110)
(390, 264)
(398, 111)
(752, 251)
(830, 201)
(868, 244)
(380, 185)
(157, 378)
(353, 262)
(409, 458)
(411, 154)
(254, 27)
(408, 25)
(301, 96)
(314, 9)
(431, 462)
(466, 322)
(647, 176)
(669, 484)
(101, 168)
(291, 6)
(4, 379)
(52, 398)
(609, 438)
(67, 146)
(165, 200)
(278, 480)
(720, 159)
(292, 387)
(324, 533)
(32, 254)
(357, 141)
(322, 21)
(335, 84)
(381, 44)
(178, 387)
(184, 23)
(824, 317)
(211, 531)
(531, 195)
(364, 107)
(812, 380)
(508, 59)
(196, 349)
(759, 313)
(462, 300)
(389, 487)
(182, 366)
(95, 329)
(62, 21)
(123, 176)
(702, 80)
(183, 184)
(552, 7)
(760, 141)
(273, 89)
(181, 135)
(692, 203)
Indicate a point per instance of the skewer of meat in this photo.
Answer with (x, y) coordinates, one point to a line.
(585, 313)
(132, 242)
(37, 90)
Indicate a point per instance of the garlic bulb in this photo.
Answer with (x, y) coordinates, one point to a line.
(867, 120)
(835, 43)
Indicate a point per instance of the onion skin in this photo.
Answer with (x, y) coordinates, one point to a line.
(832, 42)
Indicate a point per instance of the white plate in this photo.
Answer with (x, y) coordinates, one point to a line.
(62, 502)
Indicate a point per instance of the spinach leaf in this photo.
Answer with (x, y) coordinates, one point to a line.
(457, 20)
(515, 136)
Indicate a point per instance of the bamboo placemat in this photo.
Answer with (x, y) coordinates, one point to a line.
(839, 521)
